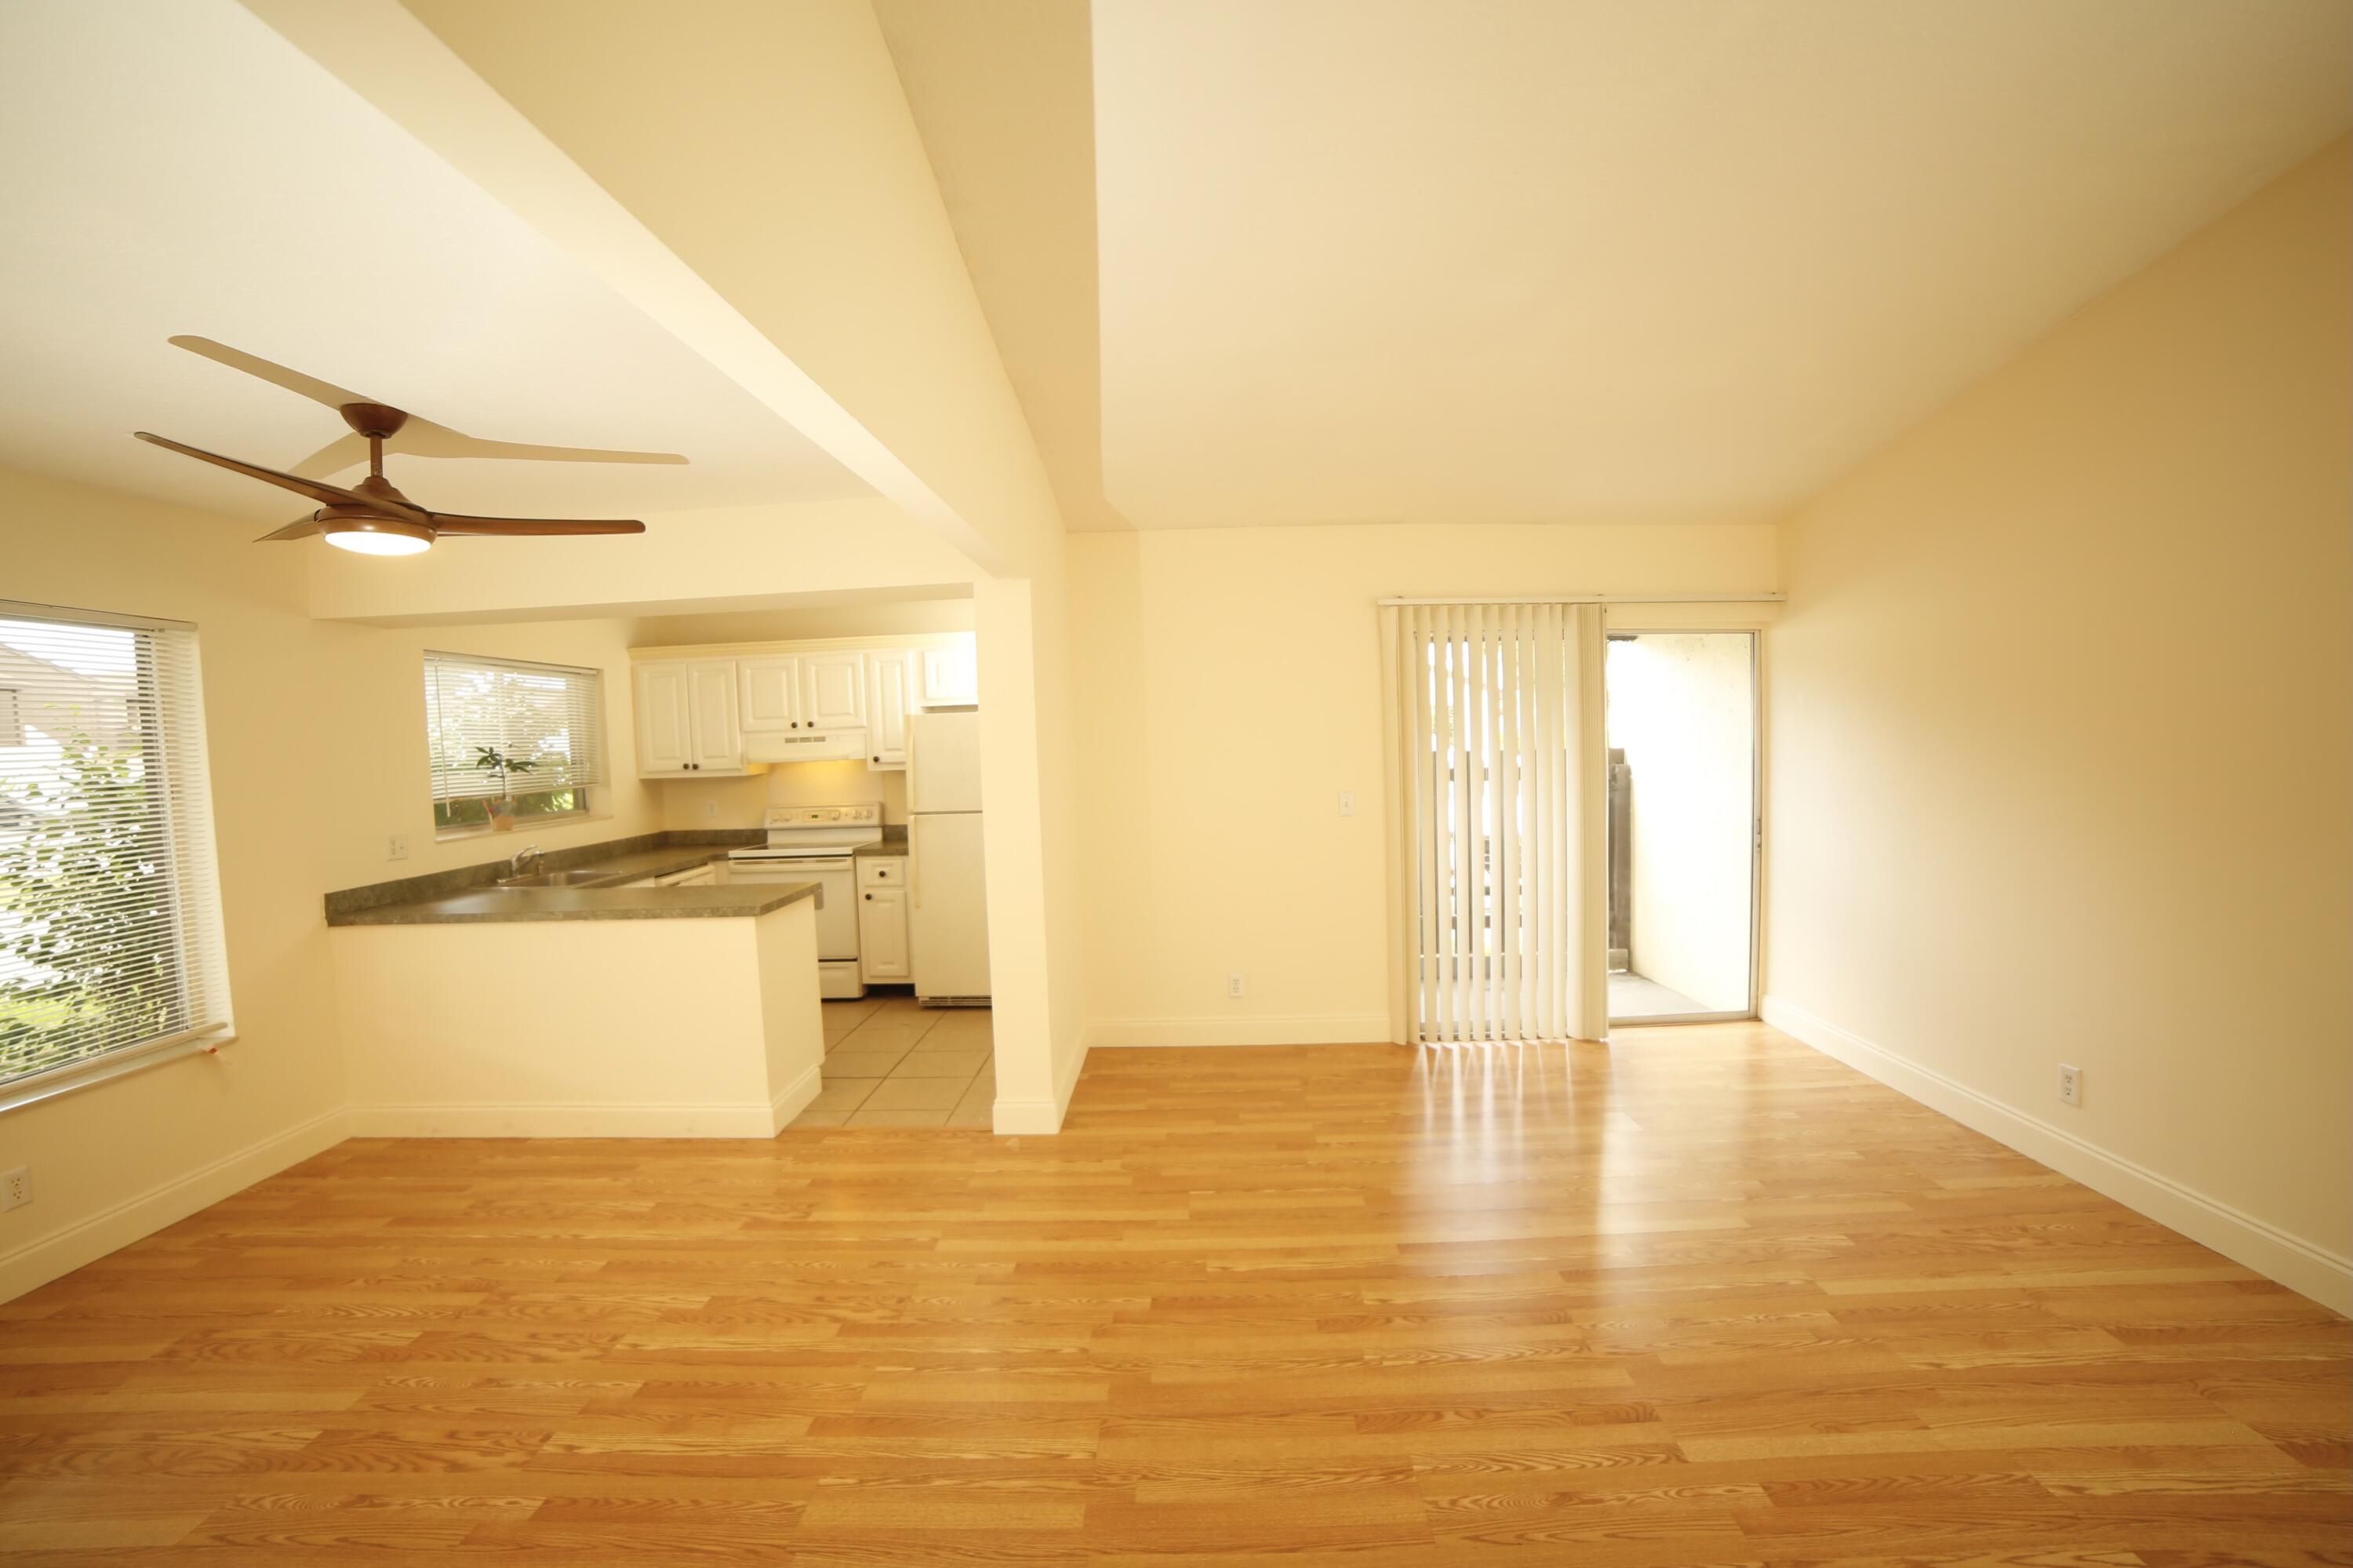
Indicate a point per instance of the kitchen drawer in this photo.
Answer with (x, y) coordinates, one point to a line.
(881, 869)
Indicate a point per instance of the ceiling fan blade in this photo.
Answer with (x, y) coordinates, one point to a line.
(343, 452)
(309, 386)
(423, 438)
(455, 524)
(324, 494)
(302, 528)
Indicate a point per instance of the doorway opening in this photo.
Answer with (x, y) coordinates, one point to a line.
(1683, 830)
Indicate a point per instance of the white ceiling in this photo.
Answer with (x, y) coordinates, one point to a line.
(1622, 259)
(173, 166)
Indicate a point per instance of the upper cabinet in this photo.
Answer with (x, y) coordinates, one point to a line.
(949, 677)
(834, 686)
(695, 706)
(771, 689)
(891, 691)
(689, 721)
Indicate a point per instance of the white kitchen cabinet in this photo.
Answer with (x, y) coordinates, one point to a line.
(770, 693)
(687, 722)
(665, 721)
(950, 677)
(890, 690)
(882, 935)
(833, 690)
(694, 876)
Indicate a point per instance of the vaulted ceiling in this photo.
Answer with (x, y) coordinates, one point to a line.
(1271, 261)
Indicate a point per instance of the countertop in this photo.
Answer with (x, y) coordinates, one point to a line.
(469, 895)
(897, 846)
(519, 904)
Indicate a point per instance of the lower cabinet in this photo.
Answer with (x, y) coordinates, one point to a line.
(882, 919)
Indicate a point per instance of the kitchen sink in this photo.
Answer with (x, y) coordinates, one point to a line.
(555, 879)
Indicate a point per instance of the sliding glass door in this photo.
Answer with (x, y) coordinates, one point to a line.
(1681, 724)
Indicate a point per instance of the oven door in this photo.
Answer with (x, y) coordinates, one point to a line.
(837, 912)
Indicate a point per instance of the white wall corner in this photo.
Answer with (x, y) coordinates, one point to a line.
(1263, 1029)
(2302, 1266)
(1012, 1117)
(794, 1097)
(48, 1257)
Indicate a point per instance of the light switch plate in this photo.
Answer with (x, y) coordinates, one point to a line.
(1347, 803)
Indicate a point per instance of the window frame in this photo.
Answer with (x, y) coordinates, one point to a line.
(175, 753)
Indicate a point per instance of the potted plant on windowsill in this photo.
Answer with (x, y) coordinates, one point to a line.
(501, 806)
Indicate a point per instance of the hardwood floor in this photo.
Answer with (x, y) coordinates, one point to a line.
(1707, 1298)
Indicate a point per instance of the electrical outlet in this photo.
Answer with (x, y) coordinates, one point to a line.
(2071, 1085)
(711, 811)
(1347, 803)
(15, 1188)
(1234, 983)
(396, 846)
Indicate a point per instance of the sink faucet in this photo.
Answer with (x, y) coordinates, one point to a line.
(528, 853)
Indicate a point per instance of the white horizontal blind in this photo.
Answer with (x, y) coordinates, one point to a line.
(1497, 791)
(109, 902)
(551, 716)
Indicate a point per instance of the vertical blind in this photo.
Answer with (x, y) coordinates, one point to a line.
(1500, 832)
(551, 716)
(109, 902)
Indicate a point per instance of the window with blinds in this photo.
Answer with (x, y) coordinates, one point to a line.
(510, 738)
(110, 903)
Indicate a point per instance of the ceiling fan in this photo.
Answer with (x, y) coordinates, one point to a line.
(371, 517)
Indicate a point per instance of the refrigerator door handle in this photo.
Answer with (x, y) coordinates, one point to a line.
(914, 869)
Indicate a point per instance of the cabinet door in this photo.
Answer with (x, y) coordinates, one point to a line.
(665, 720)
(770, 690)
(882, 932)
(833, 690)
(718, 733)
(892, 692)
(950, 677)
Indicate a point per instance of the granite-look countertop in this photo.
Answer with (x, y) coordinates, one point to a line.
(897, 846)
(470, 894)
(610, 903)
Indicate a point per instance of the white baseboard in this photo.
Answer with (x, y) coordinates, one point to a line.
(43, 1259)
(794, 1097)
(2300, 1266)
(1260, 1029)
(541, 1119)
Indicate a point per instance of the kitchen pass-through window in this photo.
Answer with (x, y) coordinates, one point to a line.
(511, 741)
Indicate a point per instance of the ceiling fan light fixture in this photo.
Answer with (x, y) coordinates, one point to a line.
(379, 537)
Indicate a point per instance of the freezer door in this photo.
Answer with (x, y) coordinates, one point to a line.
(947, 904)
(942, 762)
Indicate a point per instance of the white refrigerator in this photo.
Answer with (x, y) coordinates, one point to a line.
(947, 892)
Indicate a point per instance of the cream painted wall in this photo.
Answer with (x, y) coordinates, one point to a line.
(1227, 688)
(1682, 705)
(740, 559)
(881, 618)
(114, 1161)
(2059, 741)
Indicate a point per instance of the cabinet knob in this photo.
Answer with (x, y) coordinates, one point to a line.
(869, 898)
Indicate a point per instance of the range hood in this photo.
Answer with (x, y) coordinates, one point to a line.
(823, 745)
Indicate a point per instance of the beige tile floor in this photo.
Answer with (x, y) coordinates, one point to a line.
(889, 1063)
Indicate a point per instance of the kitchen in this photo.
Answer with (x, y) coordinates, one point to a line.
(819, 805)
